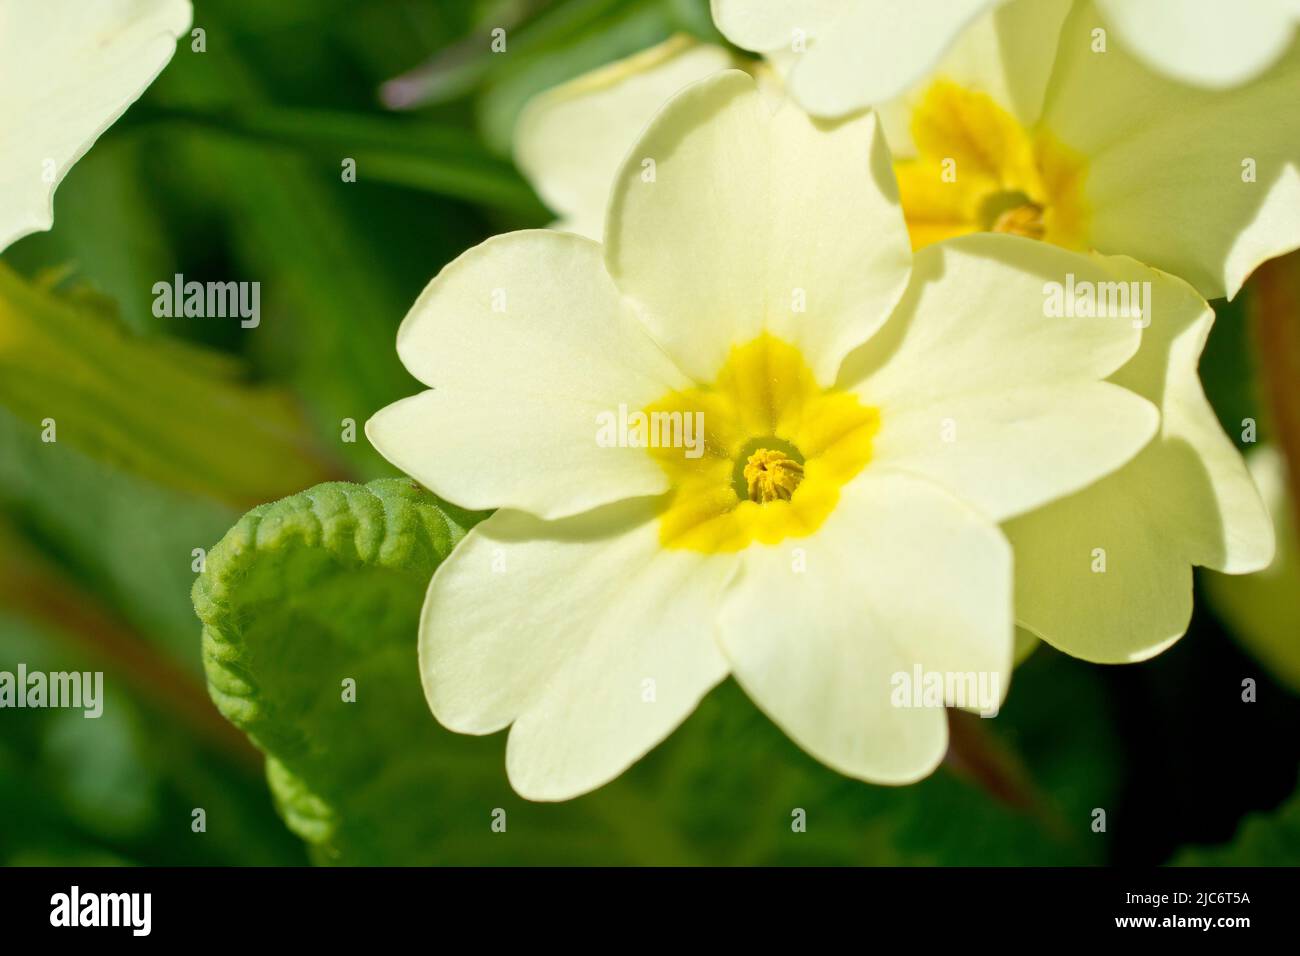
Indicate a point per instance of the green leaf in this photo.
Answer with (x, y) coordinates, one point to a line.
(152, 407)
(125, 539)
(395, 150)
(308, 592)
(696, 18)
(1264, 839)
(340, 263)
(532, 30)
(302, 595)
(110, 231)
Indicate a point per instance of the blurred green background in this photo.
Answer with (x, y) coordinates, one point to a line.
(170, 429)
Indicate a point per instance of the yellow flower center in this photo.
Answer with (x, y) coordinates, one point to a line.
(1014, 213)
(978, 170)
(777, 450)
(771, 475)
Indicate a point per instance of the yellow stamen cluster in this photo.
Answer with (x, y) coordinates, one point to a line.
(772, 475)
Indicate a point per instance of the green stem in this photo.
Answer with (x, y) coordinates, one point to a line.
(978, 756)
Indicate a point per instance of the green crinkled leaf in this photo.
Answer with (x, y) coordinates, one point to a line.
(1264, 839)
(328, 585)
(301, 595)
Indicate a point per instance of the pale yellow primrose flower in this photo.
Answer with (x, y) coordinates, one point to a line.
(828, 535)
(1076, 578)
(1099, 152)
(571, 139)
(68, 70)
(1027, 126)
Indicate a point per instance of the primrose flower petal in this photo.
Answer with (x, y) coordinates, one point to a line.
(842, 55)
(960, 405)
(1106, 574)
(565, 347)
(1205, 42)
(68, 70)
(787, 506)
(585, 633)
(603, 110)
(819, 651)
(731, 216)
